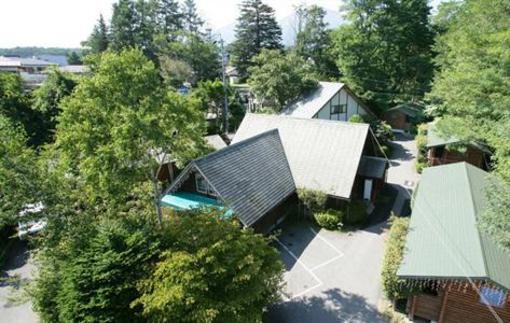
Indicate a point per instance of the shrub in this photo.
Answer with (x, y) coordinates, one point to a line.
(312, 199)
(356, 118)
(356, 213)
(394, 287)
(330, 219)
(421, 145)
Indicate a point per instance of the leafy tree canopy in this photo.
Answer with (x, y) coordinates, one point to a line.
(115, 121)
(46, 100)
(278, 78)
(385, 52)
(313, 42)
(472, 91)
(17, 174)
(212, 272)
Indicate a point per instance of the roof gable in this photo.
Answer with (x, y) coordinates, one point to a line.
(250, 177)
(310, 103)
(322, 154)
(444, 240)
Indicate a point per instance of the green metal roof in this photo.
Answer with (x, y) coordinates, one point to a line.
(444, 241)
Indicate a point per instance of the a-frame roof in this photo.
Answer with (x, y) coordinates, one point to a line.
(250, 177)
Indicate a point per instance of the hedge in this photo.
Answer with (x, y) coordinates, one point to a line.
(394, 287)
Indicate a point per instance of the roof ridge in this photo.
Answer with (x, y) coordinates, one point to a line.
(243, 142)
(480, 240)
(316, 120)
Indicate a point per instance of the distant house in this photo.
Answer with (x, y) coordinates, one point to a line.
(404, 116)
(30, 69)
(74, 69)
(336, 158)
(330, 101)
(232, 75)
(250, 179)
(447, 253)
(438, 152)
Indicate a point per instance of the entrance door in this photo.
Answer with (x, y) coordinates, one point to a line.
(367, 191)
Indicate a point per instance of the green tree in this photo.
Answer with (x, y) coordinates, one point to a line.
(201, 56)
(211, 95)
(278, 78)
(313, 42)
(73, 58)
(385, 52)
(123, 25)
(46, 99)
(15, 105)
(167, 17)
(18, 177)
(91, 275)
(256, 29)
(114, 122)
(98, 40)
(212, 272)
(472, 93)
(192, 22)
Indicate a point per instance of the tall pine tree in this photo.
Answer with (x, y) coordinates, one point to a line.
(167, 17)
(256, 29)
(385, 52)
(98, 40)
(123, 25)
(313, 41)
(192, 22)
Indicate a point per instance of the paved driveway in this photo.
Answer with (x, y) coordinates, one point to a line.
(331, 276)
(14, 307)
(402, 174)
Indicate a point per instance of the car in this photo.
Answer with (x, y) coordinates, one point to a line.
(28, 227)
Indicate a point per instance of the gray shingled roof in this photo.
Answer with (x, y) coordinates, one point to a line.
(323, 155)
(250, 177)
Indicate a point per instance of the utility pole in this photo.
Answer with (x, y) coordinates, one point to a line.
(223, 74)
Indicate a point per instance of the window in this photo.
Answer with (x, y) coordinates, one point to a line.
(338, 108)
(201, 184)
(493, 297)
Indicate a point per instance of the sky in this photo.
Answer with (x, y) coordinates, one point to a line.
(65, 23)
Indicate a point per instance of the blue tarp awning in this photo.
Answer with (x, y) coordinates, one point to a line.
(188, 201)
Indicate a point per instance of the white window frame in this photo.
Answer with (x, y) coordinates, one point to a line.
(204, 189)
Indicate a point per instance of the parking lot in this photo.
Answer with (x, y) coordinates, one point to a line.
(331, 276)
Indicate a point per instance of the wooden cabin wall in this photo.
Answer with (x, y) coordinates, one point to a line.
(455, 305)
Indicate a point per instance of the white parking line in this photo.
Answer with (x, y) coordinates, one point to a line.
(311, 271)
(326, 241)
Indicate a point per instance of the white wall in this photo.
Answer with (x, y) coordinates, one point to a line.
(342, 97)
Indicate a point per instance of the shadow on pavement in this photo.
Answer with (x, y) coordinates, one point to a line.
(17, 257)
(334, 305)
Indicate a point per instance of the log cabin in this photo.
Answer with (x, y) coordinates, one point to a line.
(443, 150)
(466, 274)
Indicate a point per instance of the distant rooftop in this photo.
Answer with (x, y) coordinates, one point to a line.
(22, 62)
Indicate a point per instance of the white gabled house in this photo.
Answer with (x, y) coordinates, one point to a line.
(330, 101)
